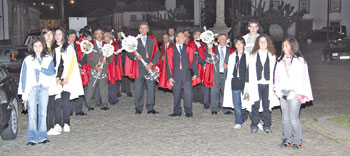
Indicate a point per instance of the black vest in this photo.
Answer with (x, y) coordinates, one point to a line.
(238, 83)
(259, 68)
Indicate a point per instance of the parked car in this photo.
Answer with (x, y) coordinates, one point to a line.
(14, 55)
(337, 50)
(9, 104)
(335, 33)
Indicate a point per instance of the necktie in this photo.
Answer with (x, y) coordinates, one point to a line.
(222, 57)
(180, 47)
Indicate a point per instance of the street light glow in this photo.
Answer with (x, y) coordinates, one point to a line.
(42, 3)
(72, 1)
(51, 7)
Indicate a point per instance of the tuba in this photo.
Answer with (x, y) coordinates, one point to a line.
(129, 44)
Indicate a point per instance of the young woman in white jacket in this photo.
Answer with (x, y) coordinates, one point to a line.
(37, 75)
(292, 86)
(260, 82)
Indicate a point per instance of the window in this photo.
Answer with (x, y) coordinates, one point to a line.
(275, 4)
(133, 18)
(335, 6)
(305, 6)
(143, 17)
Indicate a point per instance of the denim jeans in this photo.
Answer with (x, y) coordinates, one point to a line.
(237, 103)
(291, 121)
(263, 90)
(37, 106)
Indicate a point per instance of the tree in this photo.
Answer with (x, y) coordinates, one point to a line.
(285, 16)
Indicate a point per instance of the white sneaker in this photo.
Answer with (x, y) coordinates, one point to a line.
(53, 132)
(66, 128)
(260, 125)
(58, 128)
(237, 126)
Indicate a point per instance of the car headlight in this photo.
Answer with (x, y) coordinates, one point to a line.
(334, 54)
(3, 97)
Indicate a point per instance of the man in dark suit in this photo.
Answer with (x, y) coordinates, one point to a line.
(219, 73)
(148, 50)
(179, 76)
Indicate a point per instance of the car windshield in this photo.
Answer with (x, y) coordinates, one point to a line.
(339, 45)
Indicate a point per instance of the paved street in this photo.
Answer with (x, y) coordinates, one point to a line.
(120, 132)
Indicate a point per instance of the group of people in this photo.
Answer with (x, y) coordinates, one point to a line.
(58, 77)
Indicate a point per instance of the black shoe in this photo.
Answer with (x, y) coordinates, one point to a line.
(214, 113)
(285, 143)
(44, 142)
(153, 112)
(173, 115)
(104, 108)
(118, 94)
(71, 113)
(129, 95)
(114, 103)
(90, 109)
(228, 113)
(24, 112)
(189, 115)
(31, 143)
(138, 112)
(206, 107)
(268, 131)
(81, 113)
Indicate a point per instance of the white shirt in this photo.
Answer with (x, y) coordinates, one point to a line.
(178, 47)
(198, 44)
(263, 56)
(99, 44)
(222, 49)
(250, 41)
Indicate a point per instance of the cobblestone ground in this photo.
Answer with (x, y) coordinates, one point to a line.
(120, 132)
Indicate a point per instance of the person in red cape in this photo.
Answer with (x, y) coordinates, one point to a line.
(166, 44)
(198, 90)
(180, 62)
(99, 91)
(148, 50)
(215, 75)
(114, 69)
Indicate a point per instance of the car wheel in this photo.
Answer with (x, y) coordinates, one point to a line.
(308, 41)
(11, 131)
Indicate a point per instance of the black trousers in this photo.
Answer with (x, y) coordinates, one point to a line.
(124, 85)
(50, 117)
(77, 104)
(62, 109)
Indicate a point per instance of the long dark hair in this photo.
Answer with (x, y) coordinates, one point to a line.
(64, 39)
(270, 46)
(34, 40)
(43, 33)
(295, 49)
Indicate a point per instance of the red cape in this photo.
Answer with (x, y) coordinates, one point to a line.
(161, 62)
(131, 67)
(163, 80)
(114, 72)
(84, 76)
(208, 79)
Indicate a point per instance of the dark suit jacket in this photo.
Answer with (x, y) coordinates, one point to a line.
(142, 51)
(185, 73)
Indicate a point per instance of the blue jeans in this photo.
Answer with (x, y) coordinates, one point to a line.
(37, 106)
(237, 104)
(291, 121)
